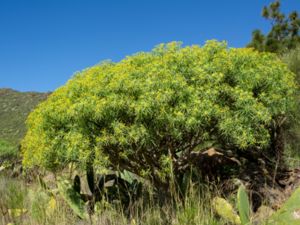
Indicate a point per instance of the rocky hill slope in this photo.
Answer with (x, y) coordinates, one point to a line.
(14, 109)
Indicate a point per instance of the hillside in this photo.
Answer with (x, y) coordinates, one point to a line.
(14, 109)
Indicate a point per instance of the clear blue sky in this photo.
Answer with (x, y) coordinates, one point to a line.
(43, 42)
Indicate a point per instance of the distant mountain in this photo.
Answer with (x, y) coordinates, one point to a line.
(14, 109)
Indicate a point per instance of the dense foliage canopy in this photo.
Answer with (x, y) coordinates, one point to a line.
(292, 59)
(148, 110)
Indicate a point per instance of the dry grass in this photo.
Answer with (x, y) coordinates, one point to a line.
(38, 209)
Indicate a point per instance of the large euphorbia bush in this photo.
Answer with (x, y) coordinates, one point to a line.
(145, 112)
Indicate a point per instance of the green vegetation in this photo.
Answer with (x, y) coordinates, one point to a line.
(37, 206)
(292, 59)
(284, 40)
(152, 111)
(20, 205)
(288, 214)
(7, 150)
(226, 210)
(72, 198)
(284, 34)
(179, 135)
(243, 205)
(14, 109)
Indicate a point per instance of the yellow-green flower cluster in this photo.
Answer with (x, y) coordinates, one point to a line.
(152, 105)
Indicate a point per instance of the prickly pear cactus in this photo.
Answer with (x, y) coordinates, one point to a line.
(72, 197)
(225, 210)
(289, 213)
(243, 205)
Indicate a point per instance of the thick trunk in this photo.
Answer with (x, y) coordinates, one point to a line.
(277, 145)
(90, 176)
